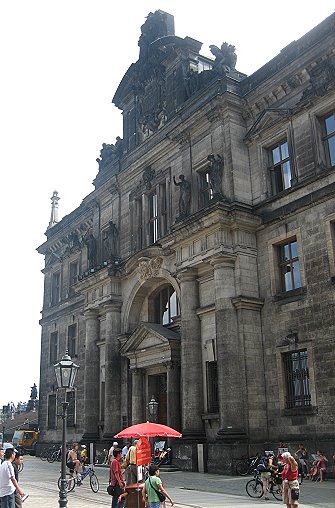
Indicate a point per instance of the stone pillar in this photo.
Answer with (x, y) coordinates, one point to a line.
(230, 357)
(137, 399)
(91, 377)
(191, 358)
(112, 423)
(173, 395)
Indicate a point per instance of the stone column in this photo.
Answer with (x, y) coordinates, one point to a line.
(91, 377)
(230, 357)
(137, 399)
(112, 424)
(173, 395)
(191, 358)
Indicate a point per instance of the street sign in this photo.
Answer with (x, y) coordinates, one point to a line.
(143, 452)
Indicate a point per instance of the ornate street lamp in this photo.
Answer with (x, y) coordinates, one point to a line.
(153, 409)
(66, 372)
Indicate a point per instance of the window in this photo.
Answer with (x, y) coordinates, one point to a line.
(139, 222)
(153, 218)
(297, 379)
(289, 266)
(329, 138)
(166, 306)
(55, 288)
(74, 272)
(280, 167)
(163, 209)
(71, 411)
(206, 193)
(53, 348)
(52, 411)
(212, 387)
(72, 340)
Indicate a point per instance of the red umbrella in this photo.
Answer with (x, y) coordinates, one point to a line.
(148, 429)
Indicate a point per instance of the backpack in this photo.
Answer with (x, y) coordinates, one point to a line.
(263, 465)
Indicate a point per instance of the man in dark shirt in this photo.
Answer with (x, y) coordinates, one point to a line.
(17, 462)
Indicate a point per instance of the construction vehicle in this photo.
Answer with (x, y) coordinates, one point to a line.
(25, 439)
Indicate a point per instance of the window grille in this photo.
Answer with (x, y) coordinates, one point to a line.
(212, 387)
(297, 379)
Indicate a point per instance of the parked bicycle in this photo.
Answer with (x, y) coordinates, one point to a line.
(71, 480)
(54, 455)
(254, 487)
(247, 465)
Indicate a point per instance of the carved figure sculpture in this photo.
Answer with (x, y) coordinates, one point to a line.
(184, 197)
(33, 393)
(148, 176)
(91, 245)
(215, 172)
(154, 28)
(225, 57)
(110, 153)
(112, 240)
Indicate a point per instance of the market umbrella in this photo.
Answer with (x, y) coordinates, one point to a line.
(148, 429)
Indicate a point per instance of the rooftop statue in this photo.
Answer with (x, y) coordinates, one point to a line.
(154, 28)
(110, 153)
(225, 57)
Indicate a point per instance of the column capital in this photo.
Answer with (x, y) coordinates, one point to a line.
(91, 314)
(187, 274)
(112, 306)
(223, 261)
(247, 302)
(173, 364)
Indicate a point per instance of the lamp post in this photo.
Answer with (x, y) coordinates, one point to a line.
(66, 372)
(153, 409)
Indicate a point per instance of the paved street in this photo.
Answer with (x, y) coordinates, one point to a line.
(193, 490)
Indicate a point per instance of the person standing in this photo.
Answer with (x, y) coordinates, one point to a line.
(152, 486)
(2, 454)
(290, 481)
(110, 453)
(116, 479)
(8, 483)
(131, 470)
(18, 461)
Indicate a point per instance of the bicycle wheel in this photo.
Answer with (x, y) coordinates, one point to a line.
(276, 491)
(70, 482)
(94, 482)
(44, 454)
(51, 457)
(254, 488)
(242, 468)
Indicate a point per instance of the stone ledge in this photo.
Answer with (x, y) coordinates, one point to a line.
(295, 411)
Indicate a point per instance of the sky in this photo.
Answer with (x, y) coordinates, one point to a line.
(61, 63)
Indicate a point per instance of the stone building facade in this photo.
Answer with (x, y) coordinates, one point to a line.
(201, 268)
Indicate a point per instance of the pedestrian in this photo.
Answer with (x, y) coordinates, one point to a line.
(152, 486)
(2, 454)
(125, 450)
(110, 453)
(266, 467)
(83, 456)
(131, 471)
(321, 466)
(8, 483)
(73, 462)
(290, 481)
(18, 461)
(116, 479)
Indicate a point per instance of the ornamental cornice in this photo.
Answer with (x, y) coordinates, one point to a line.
(247, 302)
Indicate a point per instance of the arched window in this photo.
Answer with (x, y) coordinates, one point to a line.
(166, 306)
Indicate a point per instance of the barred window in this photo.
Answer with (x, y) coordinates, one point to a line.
(329, 138)
(212, 387)
(53, 351)
(280, 167)
(297, 379)
(52, 411)
(289, 266)
(74, 272)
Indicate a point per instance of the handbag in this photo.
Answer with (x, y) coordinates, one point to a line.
(111, 489)
(160, 494)
(294, 494)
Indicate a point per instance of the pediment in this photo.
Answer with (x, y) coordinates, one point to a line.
(267, 118)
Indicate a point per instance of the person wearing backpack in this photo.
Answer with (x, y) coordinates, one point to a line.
(265, 468)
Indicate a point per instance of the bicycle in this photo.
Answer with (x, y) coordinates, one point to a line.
(71, 479)
(254, 487)
(54, 455)
(246, 465)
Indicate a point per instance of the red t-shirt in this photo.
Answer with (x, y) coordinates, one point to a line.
(115, 467)
(288, 474)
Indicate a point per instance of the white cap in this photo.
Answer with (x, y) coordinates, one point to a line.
(115, 443)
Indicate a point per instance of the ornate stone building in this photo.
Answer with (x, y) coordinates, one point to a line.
(201, 268)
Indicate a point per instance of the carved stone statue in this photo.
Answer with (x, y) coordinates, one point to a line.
(111, 243)
(148, 176)
(154, 28)
(184, 197)
(215, 172)
(91, 245)
(225, 57)
(110, 153)
(33, 393)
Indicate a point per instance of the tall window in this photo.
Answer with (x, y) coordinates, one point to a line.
(166, 306)
(297, 379)
(289, 266)
(74, 272)
(163, 209)
(280, 167)
(212, 387)
(139, 222)
(206, 193)
(153, 218)
(329, 138)
(53, 348)
(52, 411)
(55, 288)
(72, 340)
(71, 412)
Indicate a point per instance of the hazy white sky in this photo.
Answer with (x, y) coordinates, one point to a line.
(61, 62)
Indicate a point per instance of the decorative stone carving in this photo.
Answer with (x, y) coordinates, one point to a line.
(322, 79)
(225, 58)
(215, 172)
(154, 28)
(91, 245)
(184, 197)
(110, 153)
(148, 176)
(110, 241)
(149, 268)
